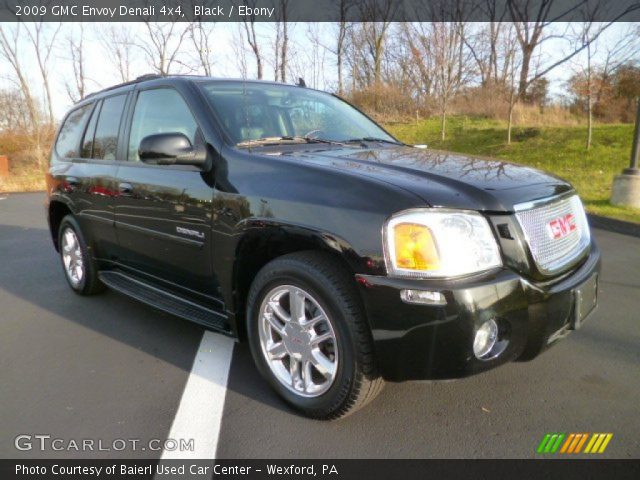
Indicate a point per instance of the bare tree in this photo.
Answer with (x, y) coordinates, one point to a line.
(486, 43)
(589, 74)
(281, 42)
(200, 34)
(375, 32)
(14, 114)
(43, 36)
(118, 41)
(511, 72)
(78, 89)
(449, 63)
(592, 77)
(532, 34)
(239, 51)
(365, 50)
(162, 46)
(284, 5)
(252, 39)
(340, 41)
(276, 49)
(10, 51)
(419, 64)
(309, 62)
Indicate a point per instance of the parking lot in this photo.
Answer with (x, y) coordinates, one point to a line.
(107, 367)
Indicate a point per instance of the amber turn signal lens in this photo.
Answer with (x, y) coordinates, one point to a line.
(415, 248)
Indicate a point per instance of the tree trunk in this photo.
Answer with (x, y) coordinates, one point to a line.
(285, 44)
(259, 67)
(510, 121)
(340, 87)
(252, 40)
(443, 123)
(47, 89)
(589, 99)
(493, 56)
(377, 62)
(276, 51)
(339, 55)
(524, 72)
(589, 122)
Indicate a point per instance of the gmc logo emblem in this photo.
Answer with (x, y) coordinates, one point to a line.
(562, 226)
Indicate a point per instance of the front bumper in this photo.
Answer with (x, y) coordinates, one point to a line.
(414, 342)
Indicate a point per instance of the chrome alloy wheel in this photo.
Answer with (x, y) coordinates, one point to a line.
(298, 341)
(72, 257)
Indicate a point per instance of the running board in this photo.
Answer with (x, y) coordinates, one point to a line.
(163, 300)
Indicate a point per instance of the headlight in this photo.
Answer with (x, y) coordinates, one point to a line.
(428, 243)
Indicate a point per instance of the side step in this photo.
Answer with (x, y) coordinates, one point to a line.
(163, 300)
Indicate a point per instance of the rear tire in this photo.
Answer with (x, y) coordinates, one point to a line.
(323, 364)
(80, 269)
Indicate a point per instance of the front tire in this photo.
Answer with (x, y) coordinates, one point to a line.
(79, 267)
(309, 336)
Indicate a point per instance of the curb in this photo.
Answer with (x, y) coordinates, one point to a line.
(613, 225)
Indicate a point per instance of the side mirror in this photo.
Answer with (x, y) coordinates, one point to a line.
(171, 149)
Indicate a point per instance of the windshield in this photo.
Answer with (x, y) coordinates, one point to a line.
(254, 112)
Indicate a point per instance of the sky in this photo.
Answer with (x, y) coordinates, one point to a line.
(316, 66)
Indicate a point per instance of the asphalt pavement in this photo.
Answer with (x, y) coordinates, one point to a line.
(107, 367)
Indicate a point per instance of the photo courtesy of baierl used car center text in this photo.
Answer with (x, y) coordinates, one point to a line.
(289, 239)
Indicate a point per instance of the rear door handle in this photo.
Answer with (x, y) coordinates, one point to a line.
(125, 188)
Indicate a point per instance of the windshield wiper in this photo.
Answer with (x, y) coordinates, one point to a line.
(373, 139)
(284, 140)
(270, 141)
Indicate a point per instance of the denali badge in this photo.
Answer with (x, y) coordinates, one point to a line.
(191, 233)
(561, 227)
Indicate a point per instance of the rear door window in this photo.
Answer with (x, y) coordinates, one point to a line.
(68, 142)
(105, 141)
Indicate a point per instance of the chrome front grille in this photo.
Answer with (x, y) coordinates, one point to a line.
(548, 228)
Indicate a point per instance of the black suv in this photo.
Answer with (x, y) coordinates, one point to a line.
(285, 216)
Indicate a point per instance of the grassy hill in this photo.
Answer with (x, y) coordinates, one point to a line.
(558, 149)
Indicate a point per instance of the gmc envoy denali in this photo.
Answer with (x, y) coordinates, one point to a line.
(284, 216)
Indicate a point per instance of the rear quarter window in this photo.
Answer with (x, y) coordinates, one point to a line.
(68, 141)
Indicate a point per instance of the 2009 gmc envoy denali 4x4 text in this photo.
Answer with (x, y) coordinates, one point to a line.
(284, 216)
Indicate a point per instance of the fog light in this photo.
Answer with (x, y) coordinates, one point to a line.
(423, 297)
(486, 338)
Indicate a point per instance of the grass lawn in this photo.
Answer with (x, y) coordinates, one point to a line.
(560, 150)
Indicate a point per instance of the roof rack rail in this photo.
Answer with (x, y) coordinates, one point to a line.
(141, 78)
(148, 76)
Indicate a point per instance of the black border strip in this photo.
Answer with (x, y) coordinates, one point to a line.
(544, 468)
(319, 10)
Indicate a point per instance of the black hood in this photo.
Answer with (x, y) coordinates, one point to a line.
(445, 179)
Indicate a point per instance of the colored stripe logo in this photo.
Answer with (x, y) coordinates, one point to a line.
(573, 443)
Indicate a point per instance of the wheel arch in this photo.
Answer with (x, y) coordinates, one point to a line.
(58, 209)
(259, 246)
